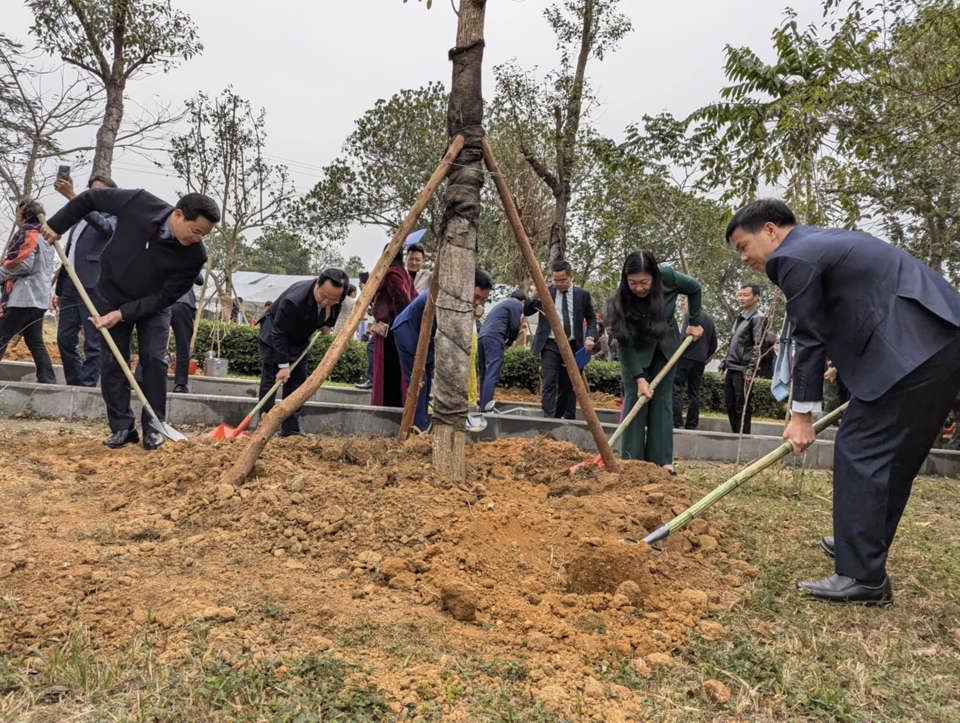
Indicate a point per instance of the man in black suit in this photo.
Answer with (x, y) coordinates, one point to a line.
(580, 325)
(690, 368)
(84, 245)
(891, 326)
(154, 256)
(285, 331)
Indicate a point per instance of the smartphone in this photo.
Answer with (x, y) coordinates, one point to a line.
(63, 173)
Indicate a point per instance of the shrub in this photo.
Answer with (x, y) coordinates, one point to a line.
(521, 369)
(239, 344)
(604, 376)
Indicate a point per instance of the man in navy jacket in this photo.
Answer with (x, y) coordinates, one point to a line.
(891, 326)
(85, 243)
(286, 328)
(499, 330)
(154, 256)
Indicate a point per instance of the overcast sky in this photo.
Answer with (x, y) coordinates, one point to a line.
(317, 66)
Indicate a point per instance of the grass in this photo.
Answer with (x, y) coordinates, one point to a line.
(782, 657)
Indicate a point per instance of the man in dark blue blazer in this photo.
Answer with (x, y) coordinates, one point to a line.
(580, 325)
(891, 326)
(498, 331)
(85, 243)
(286, 329)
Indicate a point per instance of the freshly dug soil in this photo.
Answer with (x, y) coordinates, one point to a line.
(514, 394)
(344, 535)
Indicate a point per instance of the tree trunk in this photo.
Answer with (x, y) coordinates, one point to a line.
(558, 228)
(457, 260)
(107, 133)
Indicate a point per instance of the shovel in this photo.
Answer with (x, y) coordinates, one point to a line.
(722, 490)
(165, 429)
(225, 431)
(598, 460)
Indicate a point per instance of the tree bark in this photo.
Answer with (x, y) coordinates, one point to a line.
(107, 132)
(457, 258)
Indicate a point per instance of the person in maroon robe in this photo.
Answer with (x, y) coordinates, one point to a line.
(395, 292)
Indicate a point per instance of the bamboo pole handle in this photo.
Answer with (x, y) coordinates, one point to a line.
(722, 490)
(420, 359)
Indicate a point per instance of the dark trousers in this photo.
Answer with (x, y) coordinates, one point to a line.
(556, 395)
(687, 380)
(151, 369)
(735, 397)
(28, 322)
(268, 375)
(370, 347)
(879, 449)
(74, 316)
(406, 337)
(490, 361)
(181, 321)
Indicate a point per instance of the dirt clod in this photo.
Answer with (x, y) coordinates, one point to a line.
(460, 601)
(716, 691)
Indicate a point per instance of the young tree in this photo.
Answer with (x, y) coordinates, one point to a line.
(278, 251)
(115, 40)
(221, 155)
(456, 259)
(584, 29)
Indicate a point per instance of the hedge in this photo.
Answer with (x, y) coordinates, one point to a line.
(521, 369)
(239, 344)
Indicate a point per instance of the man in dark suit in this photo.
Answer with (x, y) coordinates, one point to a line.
(85, 243)
(498, 331)
(286, 329)
(154, 256)
(891, 326)
(182, 314)
(689, 374)
(580, 325)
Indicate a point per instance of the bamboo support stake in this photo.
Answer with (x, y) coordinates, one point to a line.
(550, 310)
(420, 360)
(722, 490)
(271, 422)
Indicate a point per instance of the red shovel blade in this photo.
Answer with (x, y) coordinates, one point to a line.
(596, 461)
(225, 431)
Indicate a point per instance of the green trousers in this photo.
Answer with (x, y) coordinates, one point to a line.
(650, 435)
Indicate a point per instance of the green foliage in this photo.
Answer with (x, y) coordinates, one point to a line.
(239, 344)
(604, 376)
(521, 369)
(278, 251)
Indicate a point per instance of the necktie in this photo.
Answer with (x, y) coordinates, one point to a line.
(566, 316)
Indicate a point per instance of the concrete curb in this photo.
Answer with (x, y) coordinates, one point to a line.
(340, 417)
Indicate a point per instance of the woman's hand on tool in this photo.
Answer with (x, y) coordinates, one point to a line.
(799, 432)
(283, 374)
(107, 321)
(643, 388)
(695, 331)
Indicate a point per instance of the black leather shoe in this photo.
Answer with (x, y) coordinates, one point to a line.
(843, 589)
(152, 439)
(180, 389)
(124, 436)
(826, 544)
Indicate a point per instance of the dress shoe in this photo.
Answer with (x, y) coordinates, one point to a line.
(152, 439)
(124, 436)
(843, 589)
(826, 544)
(364, 385)
(292, 433)
(181, 389)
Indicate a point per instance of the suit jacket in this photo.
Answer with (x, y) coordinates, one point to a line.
(86, 247)
(636, 359)
(874, 310)
(140, 273)
(291, 320)
(583, 316)
(704, 347)
(503, 322)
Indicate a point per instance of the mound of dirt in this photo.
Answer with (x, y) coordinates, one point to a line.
(343, 534)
